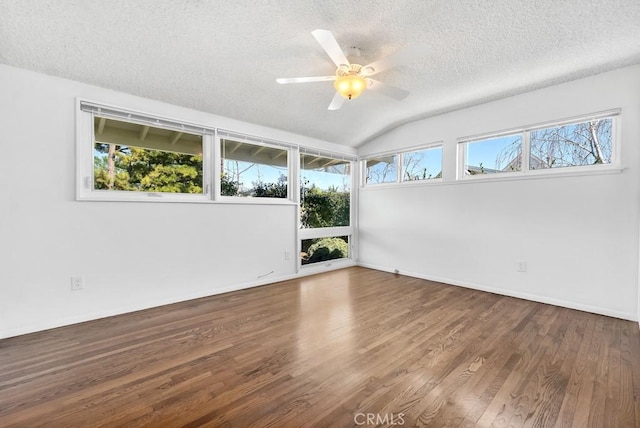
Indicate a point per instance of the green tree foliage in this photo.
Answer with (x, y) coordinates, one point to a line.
(229, 187)
(271, 190)
(119, 167)
(323, 208)
(327, 249)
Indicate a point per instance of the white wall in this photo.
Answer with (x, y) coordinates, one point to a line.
(138, 255)
(578, 235)
(132, 255)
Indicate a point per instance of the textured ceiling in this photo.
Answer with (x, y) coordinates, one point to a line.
(223, 57)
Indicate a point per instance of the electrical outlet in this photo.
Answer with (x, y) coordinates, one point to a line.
(77, 283)
(521, 266)
(287, 255)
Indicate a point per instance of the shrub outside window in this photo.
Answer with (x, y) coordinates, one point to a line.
(324, 249)
(325, 191)
(326, 182)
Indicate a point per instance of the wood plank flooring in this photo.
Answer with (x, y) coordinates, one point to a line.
(354, 347)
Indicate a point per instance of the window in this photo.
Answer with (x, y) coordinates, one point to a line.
(382, 169)
(131, 156)
(324, 249)
(127, 156)
(141, 158)
(493, 155)
(419, 164)
(425, 164)
(583, 143)
(253, 170)
(325, 191)
(325, 210)
(576, 144)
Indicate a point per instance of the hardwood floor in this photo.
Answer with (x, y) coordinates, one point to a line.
(354, 347)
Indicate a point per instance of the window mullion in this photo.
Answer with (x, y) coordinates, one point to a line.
(460, 158)
(294, 175)
(526, 151)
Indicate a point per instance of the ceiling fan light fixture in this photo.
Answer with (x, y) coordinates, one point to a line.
(350, 86)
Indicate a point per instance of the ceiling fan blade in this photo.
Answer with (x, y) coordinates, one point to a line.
(388, 90)
(395, 59)
(336, 102)
(286, 80)
(331, 47)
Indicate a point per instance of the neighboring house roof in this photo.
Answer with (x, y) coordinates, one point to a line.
(514, 165)
(472, 170)
(534, 163)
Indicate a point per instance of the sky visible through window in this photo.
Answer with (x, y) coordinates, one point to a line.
(427, 163)
(487, 153)
(382, 169)
(326, 180)
(254, 173)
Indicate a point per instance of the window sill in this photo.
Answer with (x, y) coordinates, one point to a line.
(512, 176)
(430, 182)
(252, 201)
(538, 174)
(177, 199)
(317, 267)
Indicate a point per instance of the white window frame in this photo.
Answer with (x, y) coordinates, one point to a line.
(85, 140)
(329, 232)
(210, 158)
(399, 166)
(462, 155)
(614, 166)
(292, 169)
(402, 154)
(363, 170)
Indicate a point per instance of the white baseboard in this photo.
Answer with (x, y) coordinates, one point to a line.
(505, 292)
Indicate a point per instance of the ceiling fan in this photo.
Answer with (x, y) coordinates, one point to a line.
(351, 80)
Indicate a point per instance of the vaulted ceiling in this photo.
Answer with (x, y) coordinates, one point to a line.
(223, 57)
